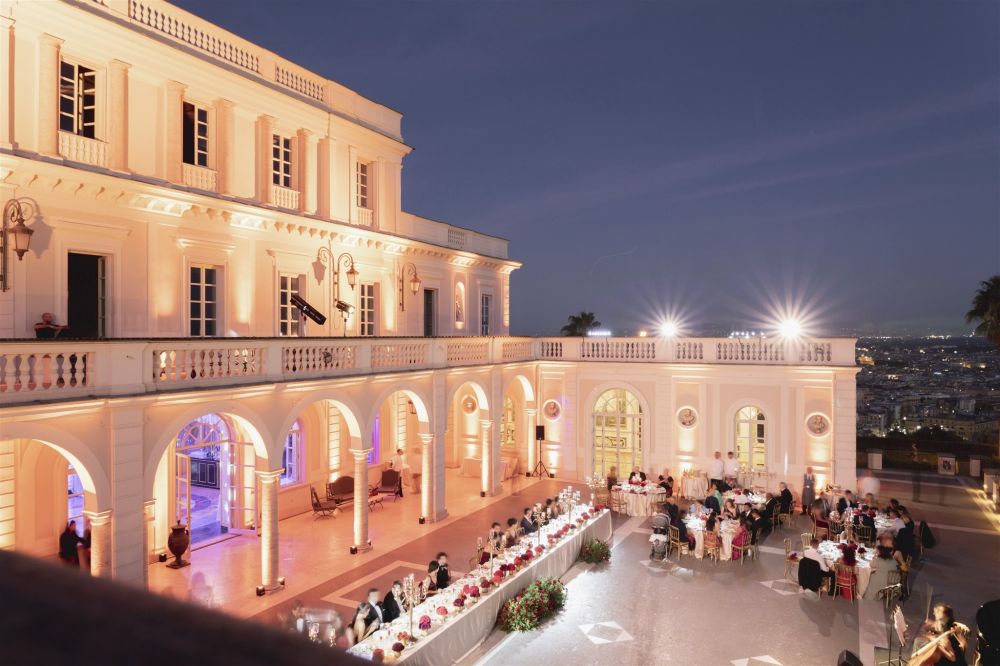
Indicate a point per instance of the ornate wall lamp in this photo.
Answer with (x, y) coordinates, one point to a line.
(414, 283)
(16, 232)
(327, 258)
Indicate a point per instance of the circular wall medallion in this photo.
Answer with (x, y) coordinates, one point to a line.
(469, 404)
(551, 410)
(687, 417)
(818, 424)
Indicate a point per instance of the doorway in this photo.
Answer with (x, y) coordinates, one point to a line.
(430, 313)
(86, 283)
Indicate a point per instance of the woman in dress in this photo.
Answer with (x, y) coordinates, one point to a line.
(808, 491)
(428, 585)
(740, 539)
(729, 510)
(363, 630)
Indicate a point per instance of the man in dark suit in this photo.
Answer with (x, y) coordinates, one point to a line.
(770, 508)
(785, 499)
(636, 475)
(712, 503)
(375, 614)
(846, 502)
(392, 605)
(527, 525)
(443, 573)
(758, 524)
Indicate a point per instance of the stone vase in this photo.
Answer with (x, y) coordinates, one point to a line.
(177, 544)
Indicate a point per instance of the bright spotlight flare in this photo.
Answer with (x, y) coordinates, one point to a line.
(668, 329)
(790, 328)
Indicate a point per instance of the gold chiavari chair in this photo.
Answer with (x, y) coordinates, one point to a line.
(713, 546)
(845, 577)
(675, 542)
(806, 540)
(820, 532)
(617, 502)
(892, 589)
(865, 535)
(791, 559)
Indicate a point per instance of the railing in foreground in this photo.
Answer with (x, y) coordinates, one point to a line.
(51, 370)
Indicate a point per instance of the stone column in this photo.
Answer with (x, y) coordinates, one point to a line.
(265, 138)
(149, 515)
(426, 476)
(269, 529)
(100, 543)
(303, 182)
(174, 152)
(6, 82)
(361, 542)
(125, 425)
(224, 145)
(487, 455)
(530, 416)
(324, 177)
(118, 115)
(49, 48)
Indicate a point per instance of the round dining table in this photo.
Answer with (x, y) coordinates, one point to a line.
(694, 487)
(727, 530)
(830, 550)
(644, 503)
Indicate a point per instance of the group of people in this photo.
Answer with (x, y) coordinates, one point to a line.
(74, 548)
(500, 538)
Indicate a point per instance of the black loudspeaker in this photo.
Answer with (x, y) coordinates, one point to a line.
(848, 658)
(539, 432)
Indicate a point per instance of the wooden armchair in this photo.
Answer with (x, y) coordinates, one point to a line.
(321, 507)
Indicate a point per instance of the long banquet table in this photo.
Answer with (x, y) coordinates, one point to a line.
(460, 632)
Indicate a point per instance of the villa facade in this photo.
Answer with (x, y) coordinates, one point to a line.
(190, 194)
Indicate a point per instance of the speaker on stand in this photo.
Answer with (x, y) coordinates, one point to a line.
(540, 469)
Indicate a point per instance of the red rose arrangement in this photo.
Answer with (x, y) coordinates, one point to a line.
(527, 555)
(398, 647)
(551, 538)
(497, 578)
(474, 591)
(442, 611)
(485, 583)
(459, 601)
(378, 656)
(402, 636)
(539, 548)
(425, 623)
(518, 562)
(600, 507)
(738, 491)
(467, 589)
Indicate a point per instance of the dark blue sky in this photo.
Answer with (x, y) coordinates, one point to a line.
(710, 159)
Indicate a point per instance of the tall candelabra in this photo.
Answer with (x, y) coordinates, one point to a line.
(412, 597)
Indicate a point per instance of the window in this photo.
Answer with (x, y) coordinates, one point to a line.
(281, 161)
(74, 494)
(366, 301)
(430, 312)
(288, 314)
(290, 455)
(204, 301)
(484, 314)
(361, 184)
(195, 135)
(751, 449)
(508, 425)
(617, 433)
(77, 100)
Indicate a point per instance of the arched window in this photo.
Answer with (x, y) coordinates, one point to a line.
(751, 438)
(617, 433)
(211, 430)
(508, 427)
(291, 455)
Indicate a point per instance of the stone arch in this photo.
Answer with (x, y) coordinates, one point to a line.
(90, 470)
(524, 384)
(587, 420)
(345, 405)
(264, 444)
(419, 403)
(477, 389)
(771, 421)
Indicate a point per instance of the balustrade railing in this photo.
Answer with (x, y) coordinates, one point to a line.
(199, 177)
(284, 197)
(65, 369)
(82, 149)
(366, 217)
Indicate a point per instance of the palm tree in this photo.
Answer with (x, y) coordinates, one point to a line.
(580, 324)
(986, 309)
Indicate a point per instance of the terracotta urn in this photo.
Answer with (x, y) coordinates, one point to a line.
(177, 544)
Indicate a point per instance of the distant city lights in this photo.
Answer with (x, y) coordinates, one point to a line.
(599, 333)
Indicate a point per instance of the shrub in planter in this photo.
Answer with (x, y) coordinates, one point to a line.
(595, 551)
(535, 603)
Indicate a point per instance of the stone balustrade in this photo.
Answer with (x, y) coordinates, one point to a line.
(42, 370)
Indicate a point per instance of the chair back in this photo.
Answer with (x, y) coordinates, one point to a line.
(390, 478)
(806, 540)
(675, 534)
(314, 497)
(845, 574)
(711, 540)
(788, 546)
(340, 489)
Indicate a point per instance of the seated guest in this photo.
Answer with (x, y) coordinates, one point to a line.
(556, 509)
(612, 477)
(758, 522)
(897, 522)
(393, 605)
(712, 524)
(870, 501)
(864, 518)
(729, 511)
(695, 508)
(769, 507)
(662, 482)
(905, 536)
(527, 524)
(374, 616)
(682, 532)
(740, 539)
(670, 486)
(637, 475)
(893, 504)
(362, 627)
(443, 573)
(785, 499)
(713, 501)
(846, 502)
(812, 553)
(428, 585)
(494, 543)
(512, 532)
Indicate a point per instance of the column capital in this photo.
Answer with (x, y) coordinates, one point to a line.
(486, 423)
(119, 65)
(360, 454)
(530, 411)
(49, 40)
(224, 103)
(269, 476)
(98, 518)
(176, 87)
(426, 437)
(303, 132)
(264, 118)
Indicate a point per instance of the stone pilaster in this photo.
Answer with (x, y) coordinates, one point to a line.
(118, 115)
(324, 177)
(125, 444)
(265, 138)
(360, 500)
(49, 53)
(7, 82)
(224, 138)
(100, 543)
(530, 421)
(303, 174)
(174, 148)
(427, 476)
(487, 457)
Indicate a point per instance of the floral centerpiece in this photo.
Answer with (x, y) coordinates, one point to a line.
(473, 591)
(535, 603)
(403, 637)
(425, 623)
(518, 562)
(595, 551)
(485, 583)
(497, 578)
(398, 648)
(539, 548)
(459, 601)
(442, 611)
(378, 656)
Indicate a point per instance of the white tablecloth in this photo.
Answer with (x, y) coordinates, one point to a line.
(830, 550)
(474, 467)
(694, 486)
(727, 531)
(447, 643)
(642, 504)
